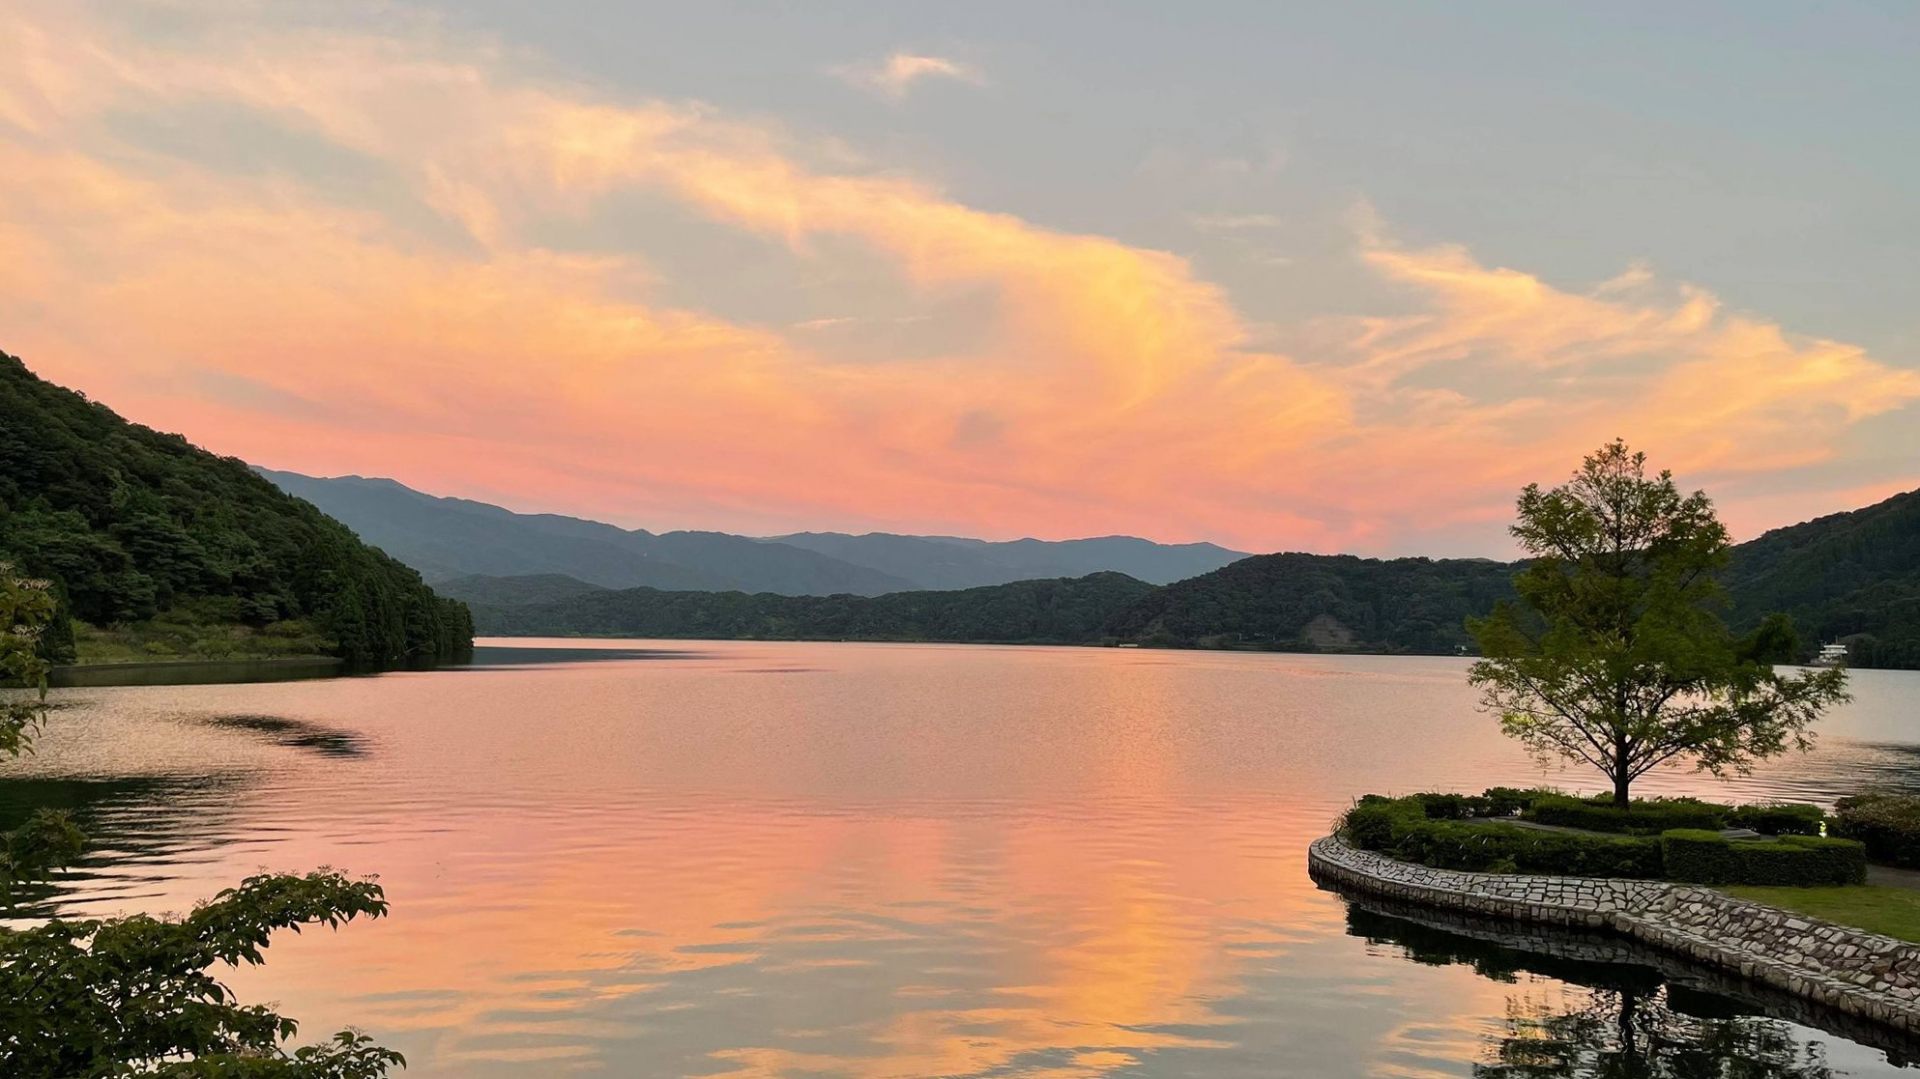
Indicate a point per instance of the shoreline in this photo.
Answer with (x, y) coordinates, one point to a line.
(183, 672)
(1859, 973)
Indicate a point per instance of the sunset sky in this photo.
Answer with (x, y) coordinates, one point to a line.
(1332, 277)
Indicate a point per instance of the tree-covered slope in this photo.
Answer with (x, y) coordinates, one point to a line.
(133, 523)
(1321, 602)
(1852, 577)
(1051, 611)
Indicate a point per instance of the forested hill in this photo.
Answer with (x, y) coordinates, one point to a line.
(1852, 577)
(1310, 602)
(1291, 601)
(1053, 611)
(137, 526)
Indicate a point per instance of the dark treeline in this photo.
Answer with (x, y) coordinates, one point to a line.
(1853, 577)
(130, 523)
(1331, 602)
(1285, 602)
(1052, 611)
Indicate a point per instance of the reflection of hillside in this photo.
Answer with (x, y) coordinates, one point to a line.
(1637, 1012)
(134, 825)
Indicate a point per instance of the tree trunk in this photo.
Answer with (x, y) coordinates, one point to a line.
(1620, 783)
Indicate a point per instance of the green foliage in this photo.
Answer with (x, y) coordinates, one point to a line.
(1776, 818)
(139, 995)
(1465, 832)
(129, 523)
(1889, 825)
(1057, 611)
(1615, 654)
(1305, 602)
(1403, 828)
(209, 628)
(1850, 577)
(1700, 857)
(1644, 816)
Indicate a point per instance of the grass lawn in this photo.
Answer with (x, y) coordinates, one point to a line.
(1877, 908)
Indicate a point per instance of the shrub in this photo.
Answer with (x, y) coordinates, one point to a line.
(1369, 825)
(1646, 816)
(1402, 828)
(1889, 824)
(1506, 801)
(1778, 818)
(1507, 848)
(1446, 806)
(1695, 856)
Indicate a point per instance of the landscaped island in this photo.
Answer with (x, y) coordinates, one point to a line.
(1614, 655)
(1680, 874)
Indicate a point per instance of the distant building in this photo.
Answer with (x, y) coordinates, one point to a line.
(1831, 655)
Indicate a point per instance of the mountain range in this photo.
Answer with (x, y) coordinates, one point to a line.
(451, 539)
(1850, 577)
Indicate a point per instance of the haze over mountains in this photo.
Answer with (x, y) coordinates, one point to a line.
(450, 540)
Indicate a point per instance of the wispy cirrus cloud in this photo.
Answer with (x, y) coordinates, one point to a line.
(896, 75)
(428, 321)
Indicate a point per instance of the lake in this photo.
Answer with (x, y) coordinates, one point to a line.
(745, 859)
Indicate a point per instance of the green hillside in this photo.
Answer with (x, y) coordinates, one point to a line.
(1852, 577)
(1321, 603)
(165, 548)
(1053, 611)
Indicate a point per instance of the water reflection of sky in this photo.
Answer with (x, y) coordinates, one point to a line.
(875, 860)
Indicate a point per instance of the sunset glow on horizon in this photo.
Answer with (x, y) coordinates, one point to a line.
(396, 242)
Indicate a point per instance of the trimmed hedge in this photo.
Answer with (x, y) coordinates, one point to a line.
(1889, 825)
(1695, 856)
(1645, 816)
(1465, 832)
(1404, 829)
(1496, 802)
(1778, 818)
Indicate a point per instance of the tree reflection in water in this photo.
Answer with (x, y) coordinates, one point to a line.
(1625, 1034)
(1630, 1013)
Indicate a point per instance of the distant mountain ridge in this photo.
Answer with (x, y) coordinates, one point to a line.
(1852, 577)
(451, 538)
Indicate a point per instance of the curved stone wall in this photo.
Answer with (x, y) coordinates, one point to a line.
(1856, 972)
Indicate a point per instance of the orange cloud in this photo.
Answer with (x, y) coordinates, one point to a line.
(425, 325)
(896, 75)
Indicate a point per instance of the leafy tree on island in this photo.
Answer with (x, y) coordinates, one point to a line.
(1616, 655)
(136, 995)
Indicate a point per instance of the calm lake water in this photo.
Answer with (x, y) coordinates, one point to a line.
(894, 860)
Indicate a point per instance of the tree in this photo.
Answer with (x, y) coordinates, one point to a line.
(136, 995)
(1615, 654)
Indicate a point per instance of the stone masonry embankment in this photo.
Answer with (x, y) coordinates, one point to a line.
(1856, 972)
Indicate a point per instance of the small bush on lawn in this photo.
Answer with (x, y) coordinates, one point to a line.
(1695, 856)
(1645, 816)
(1785, 818)
(1889, 824)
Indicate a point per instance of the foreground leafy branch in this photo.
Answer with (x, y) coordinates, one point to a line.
(137, 995)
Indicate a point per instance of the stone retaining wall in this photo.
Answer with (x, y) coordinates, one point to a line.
(1856, 972)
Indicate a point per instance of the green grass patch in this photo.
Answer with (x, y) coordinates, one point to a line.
(186, 635)
(1877, 908)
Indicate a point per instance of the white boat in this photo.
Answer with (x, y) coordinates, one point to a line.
(1831, 655)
